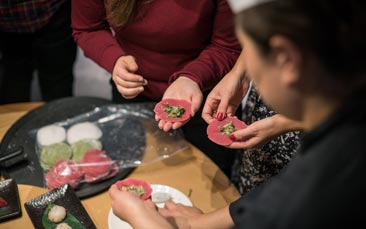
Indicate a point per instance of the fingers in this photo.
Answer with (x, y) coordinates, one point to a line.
(166, 126)
(112, 191)
(249, 144)
(169, 209)
(129, 93)
(150, 204)
(169, 204)
(243, 134)
(196, 102)
(128, 83)
(129, 80)
(222, 109)
(130, 63)
(209, 111)
(245, 139)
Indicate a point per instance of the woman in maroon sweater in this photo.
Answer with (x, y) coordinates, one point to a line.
(159, 49)
(167, 40)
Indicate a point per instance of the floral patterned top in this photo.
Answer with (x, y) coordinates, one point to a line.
(254, 166)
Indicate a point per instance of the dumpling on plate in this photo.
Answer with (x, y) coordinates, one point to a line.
(83, 130)
(50, 134)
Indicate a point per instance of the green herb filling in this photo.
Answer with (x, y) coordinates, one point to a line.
(174, 111)
(228, 128)
(137, 190)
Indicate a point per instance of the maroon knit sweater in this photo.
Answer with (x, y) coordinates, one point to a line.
(168, 38)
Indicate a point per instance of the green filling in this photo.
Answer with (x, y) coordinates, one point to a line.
(52, 153)
(137, 190)
(228, 128)
(79, 148)
(174, 111)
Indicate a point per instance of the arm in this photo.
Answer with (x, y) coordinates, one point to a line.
(191, 217)
(208, 68)
(227, 95)
(219, 56)
(92, 33)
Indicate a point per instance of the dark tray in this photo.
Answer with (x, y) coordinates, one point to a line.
(63, 196)
(25, 167)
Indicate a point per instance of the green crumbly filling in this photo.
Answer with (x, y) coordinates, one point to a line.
(137, 190)
(228, 128)
(174, 111)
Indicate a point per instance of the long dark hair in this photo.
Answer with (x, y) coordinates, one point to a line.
(333, 30)
(122, 11)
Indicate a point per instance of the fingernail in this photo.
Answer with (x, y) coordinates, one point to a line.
(220, 116)
(232, 137)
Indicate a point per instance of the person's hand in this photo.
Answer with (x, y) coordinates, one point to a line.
(181, 216)
(225, 98)
(128, 83)
(262, 131)
(138, 213)
(186, 89)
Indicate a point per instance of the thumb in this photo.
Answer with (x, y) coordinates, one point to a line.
(243, 134)
(196, 103)
(130, 64)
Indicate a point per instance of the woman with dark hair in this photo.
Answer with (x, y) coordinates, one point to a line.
(306, 58)
(161, 49)
(270, 139)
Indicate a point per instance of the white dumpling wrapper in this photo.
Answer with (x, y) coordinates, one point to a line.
(84, 130)
(51, 134)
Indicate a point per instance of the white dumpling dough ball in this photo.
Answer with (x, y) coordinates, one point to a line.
(57, 214)
(63, 226)
(84, 130)
(51, 134)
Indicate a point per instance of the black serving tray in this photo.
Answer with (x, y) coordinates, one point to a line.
(25, 167)
(9, 193)
(63, 196)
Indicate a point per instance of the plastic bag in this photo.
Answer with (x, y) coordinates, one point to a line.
(95, 146)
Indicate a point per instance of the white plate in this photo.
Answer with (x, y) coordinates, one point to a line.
(176, 196)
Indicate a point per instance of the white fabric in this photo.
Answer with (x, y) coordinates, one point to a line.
(240, 5)
(245, 99)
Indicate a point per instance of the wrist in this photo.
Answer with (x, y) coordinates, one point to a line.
(286, 124)
(187, 79)
(217, 219)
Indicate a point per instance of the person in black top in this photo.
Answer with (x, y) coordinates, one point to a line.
(36, 36)
(306, 58)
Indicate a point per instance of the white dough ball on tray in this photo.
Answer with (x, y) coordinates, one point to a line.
(51, 134)
(57, 214)
(83, 130)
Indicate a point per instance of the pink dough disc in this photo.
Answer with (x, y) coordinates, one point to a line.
(214, 130)
(159, 110)
(64, 172)
(96, 162)
(134, 182)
